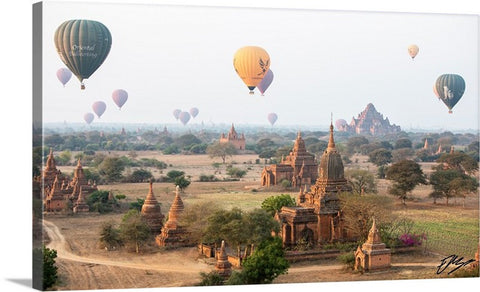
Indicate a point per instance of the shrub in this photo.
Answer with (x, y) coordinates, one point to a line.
(236, 172)
(207, 178)
(210, 279)
(409, 239)
(348, 259)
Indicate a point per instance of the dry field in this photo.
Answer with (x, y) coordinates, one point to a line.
(83, 265)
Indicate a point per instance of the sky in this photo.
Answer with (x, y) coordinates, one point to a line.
(168, 57)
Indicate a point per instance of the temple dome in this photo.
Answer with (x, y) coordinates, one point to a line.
(331, 165)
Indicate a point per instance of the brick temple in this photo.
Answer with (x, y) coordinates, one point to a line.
(373, 255)
(151, 212)
(173, 234)
(232, 137)
(317, 218)
(299, 167)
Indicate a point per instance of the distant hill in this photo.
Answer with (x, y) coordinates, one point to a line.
(369, 121)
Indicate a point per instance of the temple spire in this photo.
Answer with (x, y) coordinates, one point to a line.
(331, 142)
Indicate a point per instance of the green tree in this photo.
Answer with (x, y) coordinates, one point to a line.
(236, 172)
(260, 225)
(458, 161)
(182, 182)
(362, 181)
(137, 205)
(222, 150)
(139, 175)
(380, 157)
(134, 230)
(267, 263)
(451, 183)
(195, 220)
(110, 236)
(111, 168)
(211, 279)
(50, 270)
(406, 175)
(173, 174)
(403, 143)
(64, 158)
(98, 201)
(275, 203)
(354, 143)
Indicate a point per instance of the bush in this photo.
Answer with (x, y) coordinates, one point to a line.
(409, 239)
(236, 172)
(137, 205)
(348, 259)
(210, 279)
(208, 178)
(50, 275)
(98, 201)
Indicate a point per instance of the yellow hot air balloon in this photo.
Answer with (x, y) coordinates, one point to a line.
(413, 51)
(251, 64)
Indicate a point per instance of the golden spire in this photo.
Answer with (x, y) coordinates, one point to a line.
(331, 142)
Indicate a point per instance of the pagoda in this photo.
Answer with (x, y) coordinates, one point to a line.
(238, 141)
(81, 204)
(373, 255)
(151, 212)
(173, 235)
(223, 267)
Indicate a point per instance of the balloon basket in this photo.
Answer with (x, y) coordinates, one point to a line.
(251, 92)
(82, 86)
(450, 112)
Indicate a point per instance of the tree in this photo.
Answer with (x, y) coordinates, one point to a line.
(110, 236)
(98, 201)
(182, 182)
(211, 279)
(451, 183)
(222, 150)
(264, 265)
(358, 212)
(195, 220)
(275, 203)
(406, 175)
(458, 161)
(354, 143)
(403, 143)
(402, 154)
(137, 205)
(236, 172)
(173, 174)
(112, 168)
(362, 181)
(260, 226)
(139, 175)
(380, 157)
(50, 275)
(134, 230)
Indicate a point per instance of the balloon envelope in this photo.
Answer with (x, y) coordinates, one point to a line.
(82, 45)
(184, 117)
(88, 117)
(176, 113)
(266, 81)
(99, 108)
(272, 118)
(119, 96)
(413, 50)
(450, 88)
(194, 112)
(340, 123)
(64, 75)
(251, 63)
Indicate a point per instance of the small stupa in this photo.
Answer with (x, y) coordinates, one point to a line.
(223, 267)
(81, 203)
(373, 255)
(173, 235)
(151, 212)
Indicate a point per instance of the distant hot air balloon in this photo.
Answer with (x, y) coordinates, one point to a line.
(272, 118)
(176, 113)
(83, 45)
(450, 88)
(184, 117)
(64, 75)
(340, 123)
(194, 112)
(266, 81)
(413, 51)
(88, 117)
(99, 108)
(251, 64)
(120, 96)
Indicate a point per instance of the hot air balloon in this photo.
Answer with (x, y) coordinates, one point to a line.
(435, 91)
(272, 118)
(99, 108)
(64, 75)
(340, 123)
(413, 51)
(266, 81)
(184, 117)
(88, 117)
(119, 96)
(82, 45)
(194, 112)
(450, 88)
(176, 113)
(251, 64)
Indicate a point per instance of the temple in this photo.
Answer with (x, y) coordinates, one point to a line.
(151, 212)
(373, 255)
(299, 167)
(173, 235)
(238, 141)
(317, 218)
(223, 267)
(369, 121)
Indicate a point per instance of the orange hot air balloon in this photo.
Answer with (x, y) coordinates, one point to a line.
(413, 51)
(251, 64)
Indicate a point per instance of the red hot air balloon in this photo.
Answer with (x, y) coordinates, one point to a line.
(88, 117)
(340, 124)
(64, 75)
(272, 118)
(99, 108)
(194, 112)
(176, 113)
(266, 81)
(184, 117)
(119, 96)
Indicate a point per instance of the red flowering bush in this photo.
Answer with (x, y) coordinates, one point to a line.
(409, 239)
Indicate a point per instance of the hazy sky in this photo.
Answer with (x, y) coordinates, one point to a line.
(170, 57)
